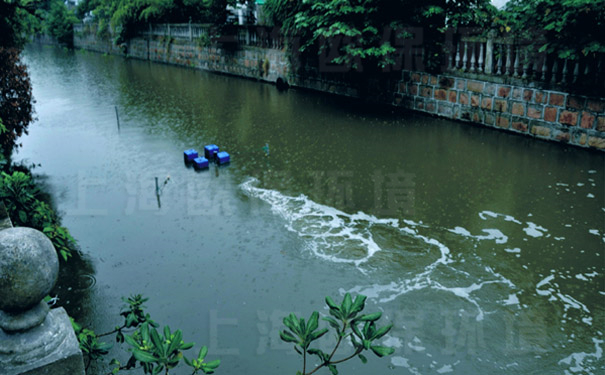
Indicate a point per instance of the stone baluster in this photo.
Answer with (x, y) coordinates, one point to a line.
(449, 61)
(509, 61)
(555, 70)
(516, 64)
(564, 72)
(169, 31)
(544, 68)
(480, 61)
(534, 70)
(489, 53)
(190, 31)
(576, 71)
(473, 60)
(464, 57)
(526, 64)
(599, 75)
(33, 339)
(458, 55)
(501, 50)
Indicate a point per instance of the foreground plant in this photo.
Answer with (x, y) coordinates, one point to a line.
(347, 322)
(153, 352)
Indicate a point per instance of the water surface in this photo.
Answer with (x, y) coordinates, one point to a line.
(483, 248)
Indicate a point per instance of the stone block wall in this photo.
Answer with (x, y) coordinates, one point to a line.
(544, 114)
(252, 62)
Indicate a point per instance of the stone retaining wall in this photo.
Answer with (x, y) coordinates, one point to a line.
(544, 114)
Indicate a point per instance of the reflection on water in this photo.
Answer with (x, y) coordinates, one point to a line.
(484, 249)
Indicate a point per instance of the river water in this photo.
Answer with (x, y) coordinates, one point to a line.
(484, 249)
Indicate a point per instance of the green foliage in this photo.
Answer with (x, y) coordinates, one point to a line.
(568, 28)
(16, 103)
(369, 30)
(17, 22)
(347, 322)
(22, 199)
(125, 17)
(153, 351)
(59, 22)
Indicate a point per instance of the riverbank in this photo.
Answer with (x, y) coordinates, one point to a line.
(512, 105)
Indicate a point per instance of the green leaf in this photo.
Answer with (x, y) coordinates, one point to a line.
(143, 356)
(318, 334)
(359, 304)
(157, 342)
(332, 322)
(333, 369)
(382, 351)
(213, 364)
(346, 304)
(313, 322)
(363, 358)
(370, 317)
(381, 332)
(287, 337)
(331, 304)
(202, 354)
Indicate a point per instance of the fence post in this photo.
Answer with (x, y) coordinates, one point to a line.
(190, 31)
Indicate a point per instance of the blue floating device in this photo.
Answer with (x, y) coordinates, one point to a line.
(189, 155)
(210, 150)
(223, 157)
(200, 163)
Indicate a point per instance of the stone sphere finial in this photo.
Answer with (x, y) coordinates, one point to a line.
(29, 268)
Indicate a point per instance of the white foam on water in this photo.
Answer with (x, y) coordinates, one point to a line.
(328, 231)
(568, 302)
(483, 215)
(582, 361)
(445, 369)
(594, 231)
(516, 250)
(512, 300)
(403, 362)
(492, 234)
(589, 195)
(534, 230)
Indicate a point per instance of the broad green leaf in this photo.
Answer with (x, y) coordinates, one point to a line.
(313, 322)
(318, 334)
(369, 317)
(331, 304)
(382, 351)
(202, 354)
(143, 356)
(363, 358)
(381, 332)
(287, 337)
(346, 304)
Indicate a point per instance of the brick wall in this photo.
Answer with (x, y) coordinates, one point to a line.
(544, 114)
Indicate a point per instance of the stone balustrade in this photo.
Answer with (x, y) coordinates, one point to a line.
(33, 339)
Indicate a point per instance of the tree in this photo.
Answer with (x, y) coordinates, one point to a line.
(368, 30)
(59, 22)
(567, 28)
(16, 102)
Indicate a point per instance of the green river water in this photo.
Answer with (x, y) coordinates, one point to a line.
(484, 249)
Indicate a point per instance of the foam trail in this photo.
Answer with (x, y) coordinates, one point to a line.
(331, 234)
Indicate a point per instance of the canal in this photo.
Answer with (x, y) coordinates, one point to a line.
(484, 249)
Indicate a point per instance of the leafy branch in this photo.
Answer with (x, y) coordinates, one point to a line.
(347, 322)
(153, 352)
